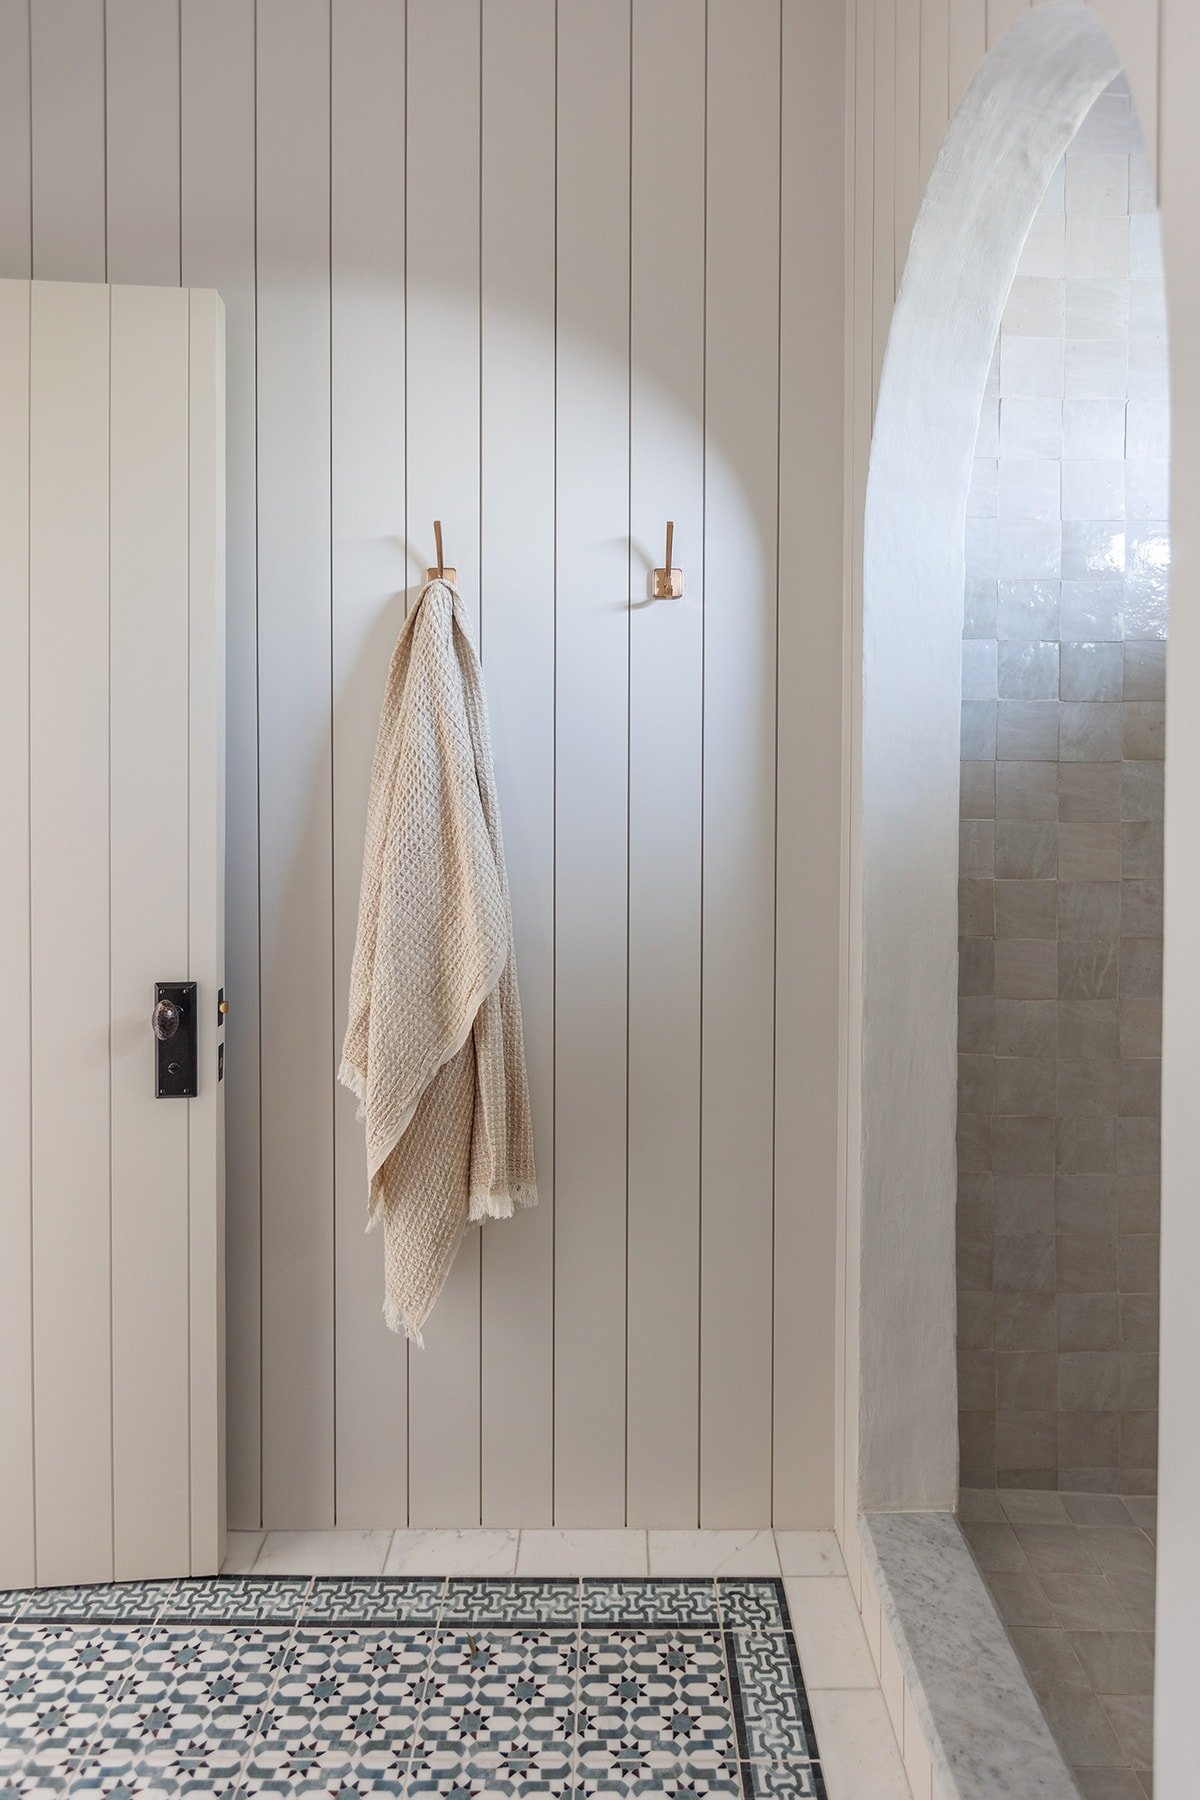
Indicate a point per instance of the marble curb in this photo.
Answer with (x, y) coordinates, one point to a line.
(983, 1727)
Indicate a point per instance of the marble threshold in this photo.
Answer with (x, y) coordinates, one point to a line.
(984, 1730)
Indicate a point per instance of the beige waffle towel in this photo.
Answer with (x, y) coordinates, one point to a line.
(433, 1046)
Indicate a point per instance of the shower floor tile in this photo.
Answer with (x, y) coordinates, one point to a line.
(474, 1689)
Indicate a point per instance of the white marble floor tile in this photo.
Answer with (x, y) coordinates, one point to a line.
(809, 1553)
(713, 1553)
(858, 1750)
(241, 1548)
(323, 1553)
(452, 1553)
(582, 1553)
(829, 1633)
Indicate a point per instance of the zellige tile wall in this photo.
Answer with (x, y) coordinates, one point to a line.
(1060, 909)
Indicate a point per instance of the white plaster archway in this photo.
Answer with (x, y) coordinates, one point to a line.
(1025, 105)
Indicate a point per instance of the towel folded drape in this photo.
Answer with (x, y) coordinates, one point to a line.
(433, 1046)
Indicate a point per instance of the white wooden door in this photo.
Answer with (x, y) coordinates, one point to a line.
(111, 853)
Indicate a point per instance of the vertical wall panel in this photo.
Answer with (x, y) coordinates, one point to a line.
(592, 708)
(741, 482)
(967, 46)
(665, 760)
(69, 792)
(517, 589)
(883, 255)
(142, 122)
(1001, 15)
(294, 761)
(16, 180)
(808, 820)
(206, 916)
(367, 297)
(217, 109)
(907, 173)
(67, 57)
(934, 82)
(16, 1321)
(442, 226)
(148, 835)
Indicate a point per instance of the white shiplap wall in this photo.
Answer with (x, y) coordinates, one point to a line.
(552, 273)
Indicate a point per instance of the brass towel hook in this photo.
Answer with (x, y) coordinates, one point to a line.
(441, 573)
(668, 582)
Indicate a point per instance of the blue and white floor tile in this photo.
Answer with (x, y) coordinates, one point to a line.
(467, 1688)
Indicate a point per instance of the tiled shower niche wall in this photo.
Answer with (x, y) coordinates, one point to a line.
(1060, 909)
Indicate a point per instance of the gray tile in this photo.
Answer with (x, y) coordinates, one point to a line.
(1047, 1656)
(1090, 852)
(1086, 1262)
(1091, 671)
(976, 1084)
(976, 966)
(1025, 851)
(1026, 909)
(1023, 1146)
(1027, 731)
(980, 1505)
(1024, 1085)
(1090, 909)
(1019, 1597)
(976, 1379)
(1141, 790)
(1023, 1321)
(1089, 1381)
(1087, 1087)
(1026, 1380)
(1089, 732)
(976, 1024)
(1023, 1265)
(1085, 1146)
(977, 790)
(977, 847)
(1089, 793)
(1145, 670)
(1088, 1322)
(1115, 1662)
(1030, 791)
(1088, 969)
(1138, 1203)
(1132, 1717)
(1139, 1381)
(1084, 1602)
(1139, 1321)
(1142, 849)
(1085, 1203)
(1137, 1141)
(1137, 1262)
(1108, 1784)
(1055, 1549)
(978, 734)
(1097, 1509)
(1034, 1509)
(1026, 969)
(1140, 1025)
(1141, 909)
(1026, 1440)
(976, 1320)
(1084, 1734)
(1026, 1028)
(973, 1249)
(1090, 1441)
(1140, 1088)
(1027, 670)
(1088, 1030)
(1143, 728)
(977, 1446)
(994, 1545)
(1141, 968)
(973, 1143)
(976, 910)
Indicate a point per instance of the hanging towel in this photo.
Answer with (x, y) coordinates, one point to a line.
(433, 1047)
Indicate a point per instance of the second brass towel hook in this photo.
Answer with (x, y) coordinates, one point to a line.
(441, 573)
(668, 582)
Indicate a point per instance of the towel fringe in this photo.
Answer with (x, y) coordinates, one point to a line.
(396, 1322)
